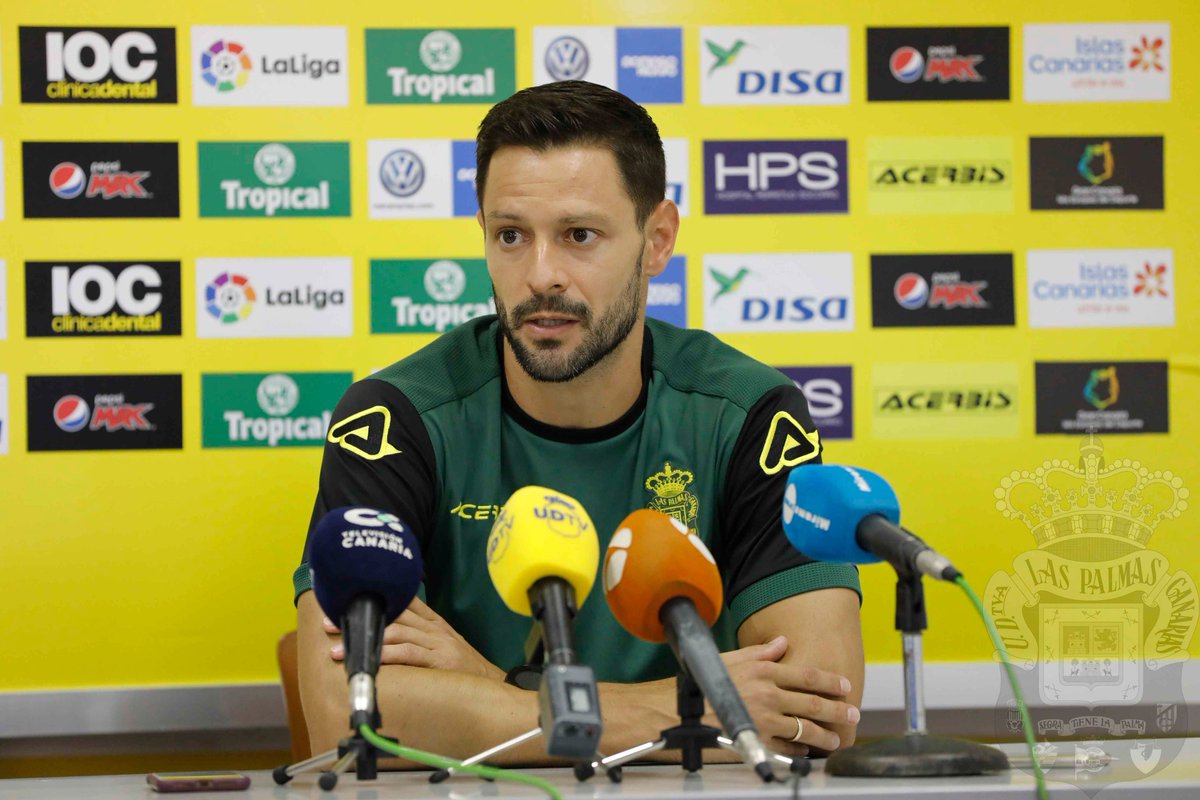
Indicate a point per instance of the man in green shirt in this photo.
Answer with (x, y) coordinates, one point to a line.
(570, 386)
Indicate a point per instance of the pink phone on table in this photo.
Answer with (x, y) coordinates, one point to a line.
(197, 781)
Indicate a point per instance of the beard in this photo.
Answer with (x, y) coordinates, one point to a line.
(546, 362)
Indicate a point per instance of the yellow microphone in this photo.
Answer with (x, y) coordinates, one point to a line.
(543, 556)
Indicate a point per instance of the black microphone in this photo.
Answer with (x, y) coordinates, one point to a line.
(366, 569)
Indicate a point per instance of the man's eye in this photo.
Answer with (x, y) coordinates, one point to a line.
(509, 236)
(582, 236)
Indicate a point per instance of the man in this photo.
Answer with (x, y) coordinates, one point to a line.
(570, 387)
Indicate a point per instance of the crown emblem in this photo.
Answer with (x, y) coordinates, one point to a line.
(1064, 503)
(669, 482)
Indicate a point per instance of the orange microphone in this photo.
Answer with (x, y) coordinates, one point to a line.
(662, 584)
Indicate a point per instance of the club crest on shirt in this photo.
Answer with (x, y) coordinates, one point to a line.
(671, 495)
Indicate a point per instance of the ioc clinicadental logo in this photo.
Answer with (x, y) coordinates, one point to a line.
(1093, 618)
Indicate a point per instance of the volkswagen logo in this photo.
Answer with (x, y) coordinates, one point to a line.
(402, 173)
(566, 59)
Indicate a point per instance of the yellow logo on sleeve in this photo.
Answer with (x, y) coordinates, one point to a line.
(365, 433)
(787, 444)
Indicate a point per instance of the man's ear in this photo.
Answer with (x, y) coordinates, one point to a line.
(661, 229)
(479, 219)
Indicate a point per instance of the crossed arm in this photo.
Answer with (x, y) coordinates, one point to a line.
(799, 658)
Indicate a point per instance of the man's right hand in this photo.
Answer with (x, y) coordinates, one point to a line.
(777, 694)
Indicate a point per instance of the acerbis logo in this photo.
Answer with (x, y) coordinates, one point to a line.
(275, 164)
(229, 298)
(402, 173)
(567, 59)
(68, 180)
(225, 65)
(440, 51)
(71, 413)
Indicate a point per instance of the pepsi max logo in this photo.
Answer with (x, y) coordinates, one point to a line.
(67, 180)
(907, 65)
(958, 63)
(567, 59)
(402, 173)
(912, 291)
(72, 413)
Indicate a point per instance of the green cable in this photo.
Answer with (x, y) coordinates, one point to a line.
(1039, 776)
(421, 757)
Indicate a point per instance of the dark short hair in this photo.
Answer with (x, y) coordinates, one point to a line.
(579, 113)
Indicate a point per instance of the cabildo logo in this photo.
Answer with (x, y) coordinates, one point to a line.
(783, 65)
(273, 297)
(262, 65)
(269, 179)
(1101, 288)
(462, 65)
(1097, 62)
(421, 178)
(1105, 173)
(944, 175)
(1102, 397)
(416, 296)
(945, 401)
(644, 64)
(97, 65)
(773, 292)
(108, 298)
(270, 410)
(1095, 621)
(775, 177)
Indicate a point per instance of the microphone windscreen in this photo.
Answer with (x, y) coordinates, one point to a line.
(357, 551)
(823, 505)
(651, 559)
(541, 533)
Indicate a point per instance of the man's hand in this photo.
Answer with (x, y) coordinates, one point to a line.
(421, 638)
(776, 694)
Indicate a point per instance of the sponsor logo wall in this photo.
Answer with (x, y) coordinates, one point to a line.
(644, 64)
(100, 179)
(273, 297)
(97, 65)
(104, 412)
(780, 65)
(270, 410)
(1084, 63)
(1100, 173)
(420, 296)
(941, 290)
(1101, 288)
(944, 175)
(778, 292)
(264, 65)
(830, 395)
(1106, 397)
(82, 298)
(961, 63)
(450, 65)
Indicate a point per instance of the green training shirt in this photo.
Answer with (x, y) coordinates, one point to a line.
(437, 440)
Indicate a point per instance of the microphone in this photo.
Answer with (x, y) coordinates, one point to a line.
(662, 584)
(542, 556)
(838, 513)
(366, 568)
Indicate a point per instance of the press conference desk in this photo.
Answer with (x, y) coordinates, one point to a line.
(1178, 780)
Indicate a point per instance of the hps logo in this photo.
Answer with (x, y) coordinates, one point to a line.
(775, 177)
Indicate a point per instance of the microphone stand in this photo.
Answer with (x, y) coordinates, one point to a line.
(915, 753)
(569, 705)
(690, 737)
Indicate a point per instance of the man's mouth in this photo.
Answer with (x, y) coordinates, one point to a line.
(549, 324)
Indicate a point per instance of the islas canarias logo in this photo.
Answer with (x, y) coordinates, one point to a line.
(365, 433)
(1147, 56)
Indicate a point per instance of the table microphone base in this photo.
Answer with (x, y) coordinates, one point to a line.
(916, 755)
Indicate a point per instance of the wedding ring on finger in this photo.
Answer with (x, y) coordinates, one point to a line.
(799, 730)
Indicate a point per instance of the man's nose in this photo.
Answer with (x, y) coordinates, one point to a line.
(545, 275)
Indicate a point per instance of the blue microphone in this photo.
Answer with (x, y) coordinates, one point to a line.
(837, 513)
(366, 568)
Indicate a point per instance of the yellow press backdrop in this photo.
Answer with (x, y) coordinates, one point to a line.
(140, 568)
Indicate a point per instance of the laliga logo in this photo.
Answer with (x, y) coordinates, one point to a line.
(402, 173)
(566, 59)
(370, 518)
(225, 65)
